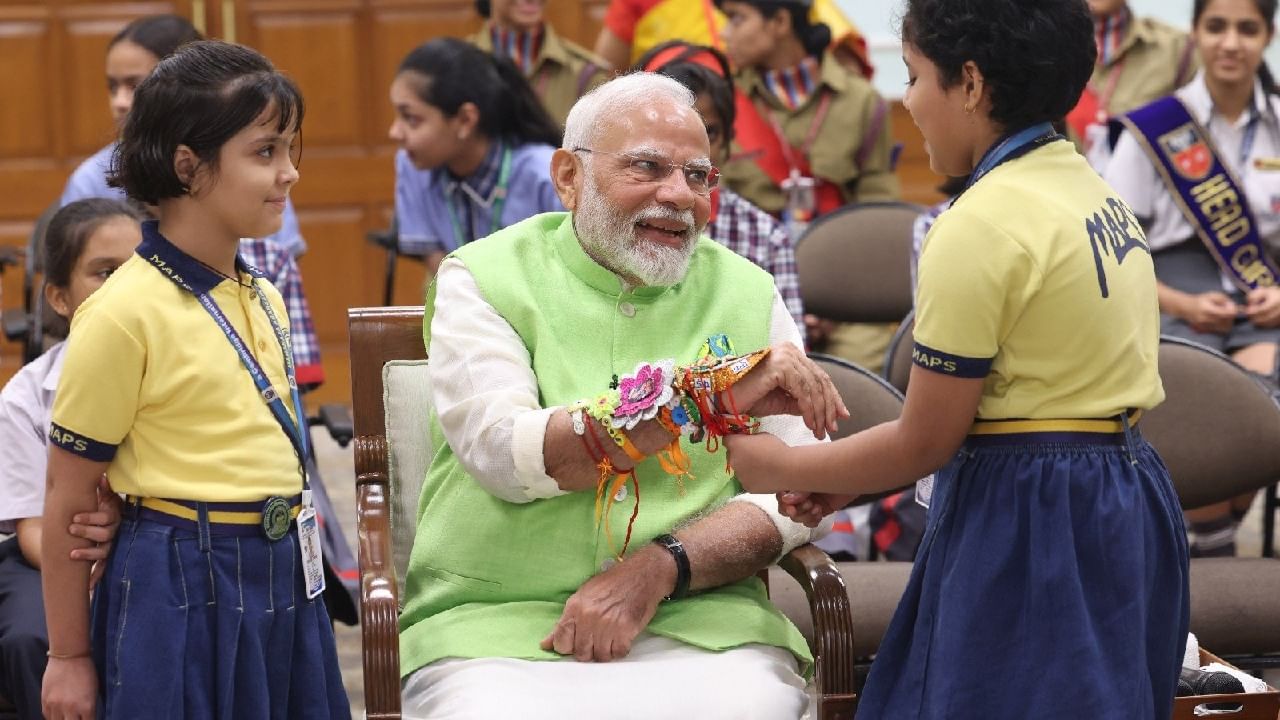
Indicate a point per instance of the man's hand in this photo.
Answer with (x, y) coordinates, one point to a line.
(605, 615)
(70, 689)
(99, 527)
(809, 508)
(1211, 312)
(786, 382)
(1262, 307)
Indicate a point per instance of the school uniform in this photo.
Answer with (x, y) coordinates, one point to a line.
(25, 403)
(200, 612)
(437, 212)
(559, 71)
(1182, 261)
(1051, 581)
(834, 127)
(1139, 60)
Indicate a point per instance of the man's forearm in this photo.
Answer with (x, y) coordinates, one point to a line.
(566, 457)
(733, 542)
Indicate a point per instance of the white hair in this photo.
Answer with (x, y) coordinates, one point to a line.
(593, 111)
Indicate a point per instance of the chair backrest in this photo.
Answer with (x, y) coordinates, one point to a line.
(391, 388)
(1217, 429)
(870, 399)
(897, 359)
(854, 264)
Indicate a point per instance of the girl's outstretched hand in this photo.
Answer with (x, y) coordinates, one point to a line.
(809, 508)
(757, 461)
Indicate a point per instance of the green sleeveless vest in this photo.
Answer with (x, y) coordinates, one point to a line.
(489, 578)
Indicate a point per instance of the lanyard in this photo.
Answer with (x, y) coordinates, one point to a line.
(292, 430)
(1246, 142)
(1012, 147)
(815, 125)
(498, 198)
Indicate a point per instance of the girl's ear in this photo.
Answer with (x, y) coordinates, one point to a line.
(58, 299)
(185, 164)
(467, 120)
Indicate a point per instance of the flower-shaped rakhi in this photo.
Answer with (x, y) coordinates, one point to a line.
(642, 393)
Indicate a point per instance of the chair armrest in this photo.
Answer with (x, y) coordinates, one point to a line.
(379, 604)
(834, 673)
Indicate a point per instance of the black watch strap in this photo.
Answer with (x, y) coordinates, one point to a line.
(676, 548)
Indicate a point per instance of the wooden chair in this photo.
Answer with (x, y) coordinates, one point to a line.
(854, 264)
(389, 379)
(1218, 432)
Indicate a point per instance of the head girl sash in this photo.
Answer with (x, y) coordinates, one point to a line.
(1206, 190)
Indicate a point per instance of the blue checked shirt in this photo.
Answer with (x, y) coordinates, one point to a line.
(760, 237)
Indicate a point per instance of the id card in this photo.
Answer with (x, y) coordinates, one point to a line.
(924, 491)
(309, 544)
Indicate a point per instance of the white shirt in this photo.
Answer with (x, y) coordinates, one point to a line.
(489, 410)
(25, 403)
(1137, 181)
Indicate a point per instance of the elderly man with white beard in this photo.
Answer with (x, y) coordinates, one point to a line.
(540, 585)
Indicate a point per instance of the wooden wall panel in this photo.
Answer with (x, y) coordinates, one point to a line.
(328, 78)
(27, 115)
(89, 121)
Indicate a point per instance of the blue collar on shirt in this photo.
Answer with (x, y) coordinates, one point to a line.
(183, 269)
(483, 180)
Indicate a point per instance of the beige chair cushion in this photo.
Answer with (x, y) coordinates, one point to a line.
(407, 398)
(1235, 605)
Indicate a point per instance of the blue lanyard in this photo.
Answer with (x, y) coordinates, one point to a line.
(499, 200)
(292, 429)
(1011, 147)
(1250, 135)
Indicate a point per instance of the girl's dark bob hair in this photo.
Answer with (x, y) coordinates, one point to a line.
(1036, 55)
(200, 96)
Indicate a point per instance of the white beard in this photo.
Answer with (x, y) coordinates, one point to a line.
(609, 237)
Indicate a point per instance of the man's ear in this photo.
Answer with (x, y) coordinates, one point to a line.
(185, 164)
(566, 174)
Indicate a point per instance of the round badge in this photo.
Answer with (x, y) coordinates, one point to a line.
(275, 517)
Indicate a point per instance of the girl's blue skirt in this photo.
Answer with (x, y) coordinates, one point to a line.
(1051, 582)
(211, 621)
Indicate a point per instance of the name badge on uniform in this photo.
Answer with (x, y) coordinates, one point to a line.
(309, 544)
(924, 491)
(1267, 164)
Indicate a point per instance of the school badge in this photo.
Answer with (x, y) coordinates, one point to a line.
(1187, 152)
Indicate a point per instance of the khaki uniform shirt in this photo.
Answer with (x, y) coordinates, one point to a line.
(852, 148)
(1154, 60)
(562, 72)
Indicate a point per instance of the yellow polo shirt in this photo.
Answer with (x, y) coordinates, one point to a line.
(1039, 280)
(151, 384)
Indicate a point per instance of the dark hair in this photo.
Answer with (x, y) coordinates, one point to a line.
(454, 72)
(1036, 55)
(200, 96)
(815, 37)
(160, 35)
(673, 59)
(1267, 9)
(483, 8)
(70, 229)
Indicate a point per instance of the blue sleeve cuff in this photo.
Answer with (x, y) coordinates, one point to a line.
(948, 364)
(80, 445)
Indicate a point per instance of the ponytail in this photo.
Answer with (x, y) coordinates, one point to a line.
(454, 72)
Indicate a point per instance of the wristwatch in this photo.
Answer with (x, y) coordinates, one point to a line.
(676, 548)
